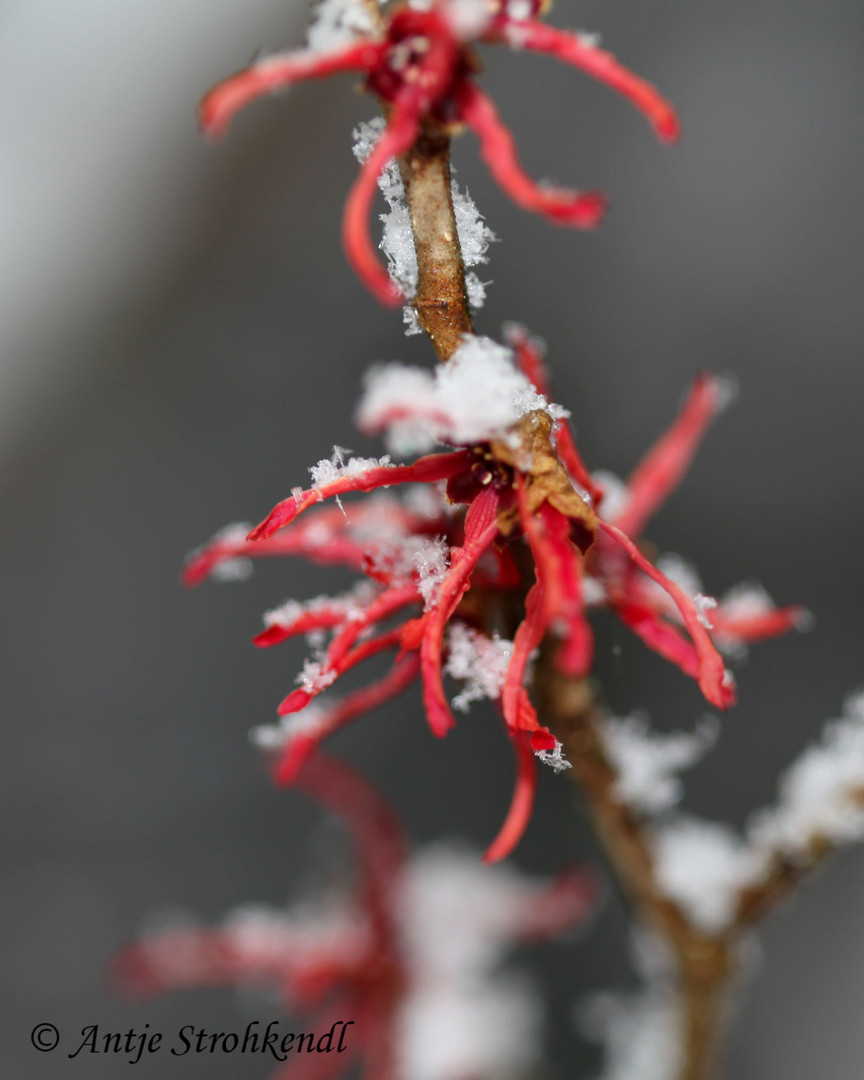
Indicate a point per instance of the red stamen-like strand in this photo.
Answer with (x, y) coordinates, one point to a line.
(300, 698)
(582, 210)
(300, 747)
(426, 470)
(751, 628)
(481, 528)
(385, 605)
(566, 903)
(712, 677)
(522, 804)
(661, 637)
(572, 48)
(515, 703)
(228, 97)
(662, 468)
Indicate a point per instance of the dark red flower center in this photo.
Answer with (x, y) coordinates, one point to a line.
(424, 54)
(485, 471)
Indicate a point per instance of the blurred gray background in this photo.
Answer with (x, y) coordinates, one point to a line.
(180, 338)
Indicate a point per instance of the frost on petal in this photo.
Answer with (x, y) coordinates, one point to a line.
(747, 613)
(422, 559)
(704, 605)
(647, 762)
(336, 23)
(554, 758)
(311, 721)
(339, 465)
(330, 610)
(227, 570)
(478, 661)
(821, 796)
(315, 677)
(476, 396)
(703, 867)
(232, 570)
(747, 600)
(327, 932)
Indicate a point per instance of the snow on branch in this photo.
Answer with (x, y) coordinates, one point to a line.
(398, 239)
(418, 408)
(821, 795)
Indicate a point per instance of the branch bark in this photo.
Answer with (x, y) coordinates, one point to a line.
(441, 301)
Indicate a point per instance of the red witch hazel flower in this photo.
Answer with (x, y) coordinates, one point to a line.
(539, 542)
(401, 971)
(420, 61)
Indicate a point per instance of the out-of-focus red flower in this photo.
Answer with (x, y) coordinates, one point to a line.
(539, 537)
(421, 63)
(374, 957)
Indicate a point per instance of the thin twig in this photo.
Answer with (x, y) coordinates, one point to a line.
(441, 301)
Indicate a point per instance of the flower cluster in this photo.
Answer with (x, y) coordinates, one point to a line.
(410, 957)
(503, 544)
(419, 59)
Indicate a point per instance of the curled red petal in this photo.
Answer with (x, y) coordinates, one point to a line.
(559, 907)
(559, 570)
(543, 739)
(321, 617)
(382, 607)
(663, 467)
(300, 747)
(425, 470)
(398, 136)
(481, 528)
(666, 640)
(572, 48)
(220, 104)
(711, 676)
(300, 698)
(522, 804)
(181, 959)
(757, 627)
(369, 818)
(517, 708)
(582, 210)
(318, 545)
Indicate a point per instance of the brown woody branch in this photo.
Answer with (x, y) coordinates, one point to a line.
(441, 301)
